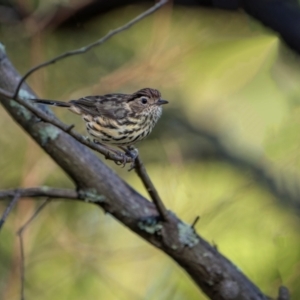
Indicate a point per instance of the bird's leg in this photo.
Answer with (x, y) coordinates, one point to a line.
(124, 156)
(133, 153)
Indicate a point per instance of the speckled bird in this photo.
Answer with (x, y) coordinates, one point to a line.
(117, 119)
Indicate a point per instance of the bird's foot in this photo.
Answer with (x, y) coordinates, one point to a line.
(130, 154)
(133, 153)
(125, 159)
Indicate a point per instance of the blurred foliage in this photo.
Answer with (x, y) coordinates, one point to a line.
(217, 68)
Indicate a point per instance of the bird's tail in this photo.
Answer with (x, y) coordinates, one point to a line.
(51, 102)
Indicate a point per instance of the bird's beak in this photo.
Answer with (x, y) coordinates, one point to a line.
(161, 102)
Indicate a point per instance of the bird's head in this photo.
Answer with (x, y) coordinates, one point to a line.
(146, 100)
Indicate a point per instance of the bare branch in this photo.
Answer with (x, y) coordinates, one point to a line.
(12, 203)
(139, 166)
(22, 267)
(195, 222)
(20, 235)
(216, 275)
(20, 231)
(43, 191)
(90, 46)
(142, 173)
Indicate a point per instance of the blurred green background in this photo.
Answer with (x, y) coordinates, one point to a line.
(226, 77)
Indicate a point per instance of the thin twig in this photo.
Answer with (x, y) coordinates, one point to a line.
(22, 228)
(195, 222)
(12, 203)
(22, 267)
(20, 235)
(142, 173)
(90, 46)
(42, 191)
(70, 128)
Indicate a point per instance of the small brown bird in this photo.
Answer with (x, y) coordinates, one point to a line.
(117, 119)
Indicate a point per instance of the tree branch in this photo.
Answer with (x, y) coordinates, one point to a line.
(211, 271)
(20, 235)
(216, 276)
(139, 167)
(15, 197)
(90, 46)
(149, 186)
(108, 154)
(43, 191)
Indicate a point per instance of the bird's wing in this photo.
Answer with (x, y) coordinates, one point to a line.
(110, 106)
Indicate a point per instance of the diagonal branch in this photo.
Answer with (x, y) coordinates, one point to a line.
(206, 266)
(108, 154)
(90, 46)
(139, 167)
(211, 271)
(148, 184)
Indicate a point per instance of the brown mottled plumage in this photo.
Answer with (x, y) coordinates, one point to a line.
(117, 119)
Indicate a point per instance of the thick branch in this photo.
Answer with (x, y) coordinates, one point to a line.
(108, 154)
(139, 167)
(217, 276)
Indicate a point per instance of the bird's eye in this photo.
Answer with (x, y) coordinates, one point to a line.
(144, 100)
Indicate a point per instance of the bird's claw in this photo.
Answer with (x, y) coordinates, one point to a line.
(129, 154)
(124, 160)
